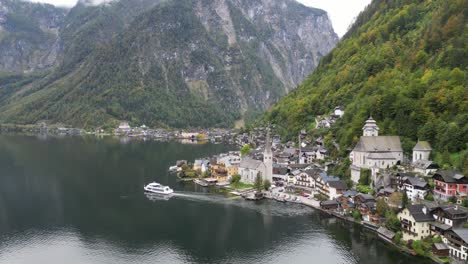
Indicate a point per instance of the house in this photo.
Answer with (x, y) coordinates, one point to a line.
(457, 241)
(306, 179)
(231, 162)
(346, 201)
(334, 189)
(440, 249)
(425, 167)
(415, 188)
(321, 153)
(202, 165)
(367, 206)
(307, 155)
(374, 151)
(219, 172)
(415, 222)
(451, 215)
(329, 205)
(123, 128)
(280, 173)
(448, 184)
(321, 183)
(339, 111)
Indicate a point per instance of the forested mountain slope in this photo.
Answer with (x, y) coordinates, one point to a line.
(405, 63)
(178, 63)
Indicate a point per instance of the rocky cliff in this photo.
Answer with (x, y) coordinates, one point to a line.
(177, 63)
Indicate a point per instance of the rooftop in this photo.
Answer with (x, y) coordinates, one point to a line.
(378, 144)
(418, 214)
(422, 146)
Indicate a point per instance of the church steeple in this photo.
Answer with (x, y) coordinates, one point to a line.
(268, 158)
(370, 129)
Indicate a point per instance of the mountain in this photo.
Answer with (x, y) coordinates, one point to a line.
(404, 63)
(178, 63)
(29, 35)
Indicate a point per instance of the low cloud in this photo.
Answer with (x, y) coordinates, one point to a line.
(70, 3)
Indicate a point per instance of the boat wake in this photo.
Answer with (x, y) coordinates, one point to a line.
(265, 208)
(193, 196)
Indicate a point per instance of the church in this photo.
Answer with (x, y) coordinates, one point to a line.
(374, 152)
(249, 168)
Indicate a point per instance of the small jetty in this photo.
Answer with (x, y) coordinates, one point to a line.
(206, 182)
(254, 196)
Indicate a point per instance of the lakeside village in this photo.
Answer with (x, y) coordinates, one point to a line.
(126, 133)
(409, 203)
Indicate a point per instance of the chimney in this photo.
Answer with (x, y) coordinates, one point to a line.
(424, 209)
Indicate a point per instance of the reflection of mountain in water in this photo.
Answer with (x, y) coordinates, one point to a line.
(82, 199)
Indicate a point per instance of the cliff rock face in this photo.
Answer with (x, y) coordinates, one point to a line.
(177, 63)
(29, 35)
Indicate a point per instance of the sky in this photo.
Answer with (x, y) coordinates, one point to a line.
(341, 12)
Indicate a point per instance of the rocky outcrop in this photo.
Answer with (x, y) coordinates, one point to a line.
(29, 35)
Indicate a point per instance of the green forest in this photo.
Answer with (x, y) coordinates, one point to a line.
(405, 63)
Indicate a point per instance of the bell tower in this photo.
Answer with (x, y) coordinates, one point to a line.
(370, 129)
(268, 158)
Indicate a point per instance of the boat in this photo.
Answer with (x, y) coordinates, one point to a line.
(173, 168)
(155, 187)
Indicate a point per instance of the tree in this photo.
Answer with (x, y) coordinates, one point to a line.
(391, 221)
(381, 207)
(365, 177)
(404, 199)
(429, 196)
(266, 184)
(235, 180)
(246, 149)
(258, 184)
(357, 215)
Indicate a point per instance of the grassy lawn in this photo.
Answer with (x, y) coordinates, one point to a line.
(241, 185)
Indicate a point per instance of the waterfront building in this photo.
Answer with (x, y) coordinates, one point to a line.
(447, 217)
(457, 241)
(415, 222)
(124, 128)
(374, 151)
(449, 184)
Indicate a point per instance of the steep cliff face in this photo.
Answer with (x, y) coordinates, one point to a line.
(177, 63)
(29, 35)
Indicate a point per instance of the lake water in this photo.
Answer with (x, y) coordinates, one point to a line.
(80, 200)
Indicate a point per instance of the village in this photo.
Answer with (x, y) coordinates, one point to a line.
(408, 201)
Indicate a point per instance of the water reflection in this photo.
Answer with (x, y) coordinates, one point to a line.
(81, 200)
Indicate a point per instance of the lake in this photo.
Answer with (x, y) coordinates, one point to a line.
(80, 200)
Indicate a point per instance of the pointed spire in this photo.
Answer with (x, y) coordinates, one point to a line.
(268, 142)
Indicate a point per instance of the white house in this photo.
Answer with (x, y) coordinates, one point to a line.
(374, 151)
(339, 111)
(123, 128)
(415, 222)
(414, 187)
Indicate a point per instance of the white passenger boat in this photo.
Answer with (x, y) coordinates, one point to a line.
(155, 187)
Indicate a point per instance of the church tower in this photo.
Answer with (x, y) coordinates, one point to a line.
(370, 129)
(268, 159)
(421, 151)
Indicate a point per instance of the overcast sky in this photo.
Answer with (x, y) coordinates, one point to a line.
(341, 12)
